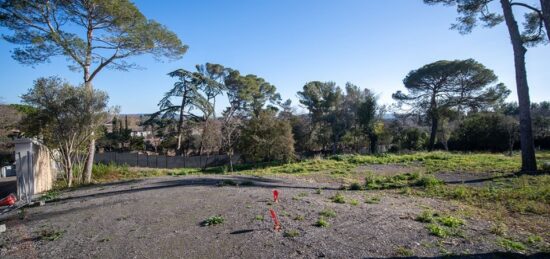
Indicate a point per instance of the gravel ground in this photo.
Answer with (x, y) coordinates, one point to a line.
(160, 218)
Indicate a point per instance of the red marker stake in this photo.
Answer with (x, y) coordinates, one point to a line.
(277, 226)
(276, 196)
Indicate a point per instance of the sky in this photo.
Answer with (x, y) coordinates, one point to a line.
(371, 43)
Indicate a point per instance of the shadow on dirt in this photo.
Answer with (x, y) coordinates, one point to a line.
(493, 255)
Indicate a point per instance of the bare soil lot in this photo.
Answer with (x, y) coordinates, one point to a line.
(161, 218)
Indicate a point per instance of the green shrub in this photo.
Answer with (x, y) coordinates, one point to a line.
(354, 202)
(511, 245)
(427, 216)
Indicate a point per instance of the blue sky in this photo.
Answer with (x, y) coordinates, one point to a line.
(373, 44)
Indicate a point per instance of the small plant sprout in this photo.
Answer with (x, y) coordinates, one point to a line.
(338, 198)
(259, 218)
(214, 220)
(354, 202)
(450, 221)
(319, 191)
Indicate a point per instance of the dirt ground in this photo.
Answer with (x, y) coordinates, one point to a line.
(161, 218)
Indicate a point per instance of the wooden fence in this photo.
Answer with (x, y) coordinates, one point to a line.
(162, 161)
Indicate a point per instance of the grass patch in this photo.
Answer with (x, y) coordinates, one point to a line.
(291, 233)
(328, 213)
(372, 199)
(450, 221)
(299, 218)
(322, 223)
(259, 218)
(534, 240)
(376, 182)
(524, 194)
(427, 216)
(437, 230)
(511, 245)
(50, 195)
(354, 202)
(50, 234)
(403, 251)
(214, 220)
(338, 198)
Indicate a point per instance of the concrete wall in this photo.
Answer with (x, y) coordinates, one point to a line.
(35, 173)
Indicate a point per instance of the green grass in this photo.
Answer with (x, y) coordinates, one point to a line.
(403, 251)
(50, 195)
(511, 245)
(372, 199)
(322, 223)
(354, 202)
(291, 233)
(437, 230)
(299, 217)
(213, 220)
(525, 194)
(328, 213)
(427, 216)
(376, 182)
(450, 221)
(259, 218)
(338, 198)
(50, 234)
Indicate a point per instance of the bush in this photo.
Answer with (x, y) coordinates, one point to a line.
(338, 198)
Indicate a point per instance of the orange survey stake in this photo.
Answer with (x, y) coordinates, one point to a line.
(276, 196)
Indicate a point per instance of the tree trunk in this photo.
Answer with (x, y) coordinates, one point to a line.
(528, 160)
(69, 169)
(88, 84)
(373, 143)
(545, 6)
(433, 132)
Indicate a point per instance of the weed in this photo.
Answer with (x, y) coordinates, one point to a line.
(50, 195)
(214, 220)
(50, 234)
(259, 218)
(499, 229)
(22, 214)
(354, 202)
(302, 194)
(328, 213)
(534, 239)
(296, 198)
(427, 216)
(319, 191)
(437, 230)
(338, 198)
(511, 245)
(291, 233)
(450, 221)
(403, 251)
(322, 223)
(299, 218)
(372, 200)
